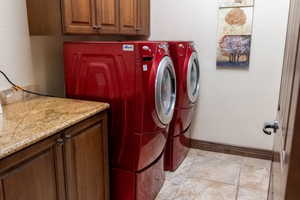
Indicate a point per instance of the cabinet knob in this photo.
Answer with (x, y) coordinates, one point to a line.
(138, 29)
(96, 28)
(68, 136)
(60, 141)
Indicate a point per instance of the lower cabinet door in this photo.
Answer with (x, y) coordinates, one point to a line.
(86, 160)
(36, 178)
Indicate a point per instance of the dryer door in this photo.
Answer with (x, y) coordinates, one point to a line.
(165, 90)
(193, 78)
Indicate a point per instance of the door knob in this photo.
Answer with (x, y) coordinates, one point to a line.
(274, 126)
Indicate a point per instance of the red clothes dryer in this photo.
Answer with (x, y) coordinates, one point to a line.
(138, 80)
(187, 70)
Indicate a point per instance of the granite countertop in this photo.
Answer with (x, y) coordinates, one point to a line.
(27, 122)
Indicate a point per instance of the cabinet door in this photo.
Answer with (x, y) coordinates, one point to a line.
(86, 160)
(1, 191)
(143, 17)
(128, 16)
(38, 177)
(79, 16)
(134, 17)
(107, 17)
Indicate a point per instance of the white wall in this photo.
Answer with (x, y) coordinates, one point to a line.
(47, 53)
(15, 53)
(233, 104)
(28, 60)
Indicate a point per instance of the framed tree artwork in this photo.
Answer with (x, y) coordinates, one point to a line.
(234, 33)
(235, 3)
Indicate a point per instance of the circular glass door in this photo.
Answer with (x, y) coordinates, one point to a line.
(193, 78)
(165, 90)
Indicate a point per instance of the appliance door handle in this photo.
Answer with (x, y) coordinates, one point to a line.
(274, 126)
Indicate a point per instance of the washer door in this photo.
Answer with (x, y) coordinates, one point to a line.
(165, 90)
(193, 78)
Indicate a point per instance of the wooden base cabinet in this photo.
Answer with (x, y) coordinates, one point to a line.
(86, 163)
(72, 165)
(34, 174)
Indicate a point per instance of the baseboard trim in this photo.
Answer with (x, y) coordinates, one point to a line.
(234, 150)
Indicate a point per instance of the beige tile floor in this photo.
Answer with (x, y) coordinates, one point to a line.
(215, 176)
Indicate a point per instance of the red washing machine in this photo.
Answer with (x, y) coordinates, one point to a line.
(187, 70)
(138, 80)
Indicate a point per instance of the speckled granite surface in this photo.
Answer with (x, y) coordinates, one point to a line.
(27, 122)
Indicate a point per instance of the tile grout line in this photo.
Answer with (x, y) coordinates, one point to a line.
(215, 181)
(238, 182)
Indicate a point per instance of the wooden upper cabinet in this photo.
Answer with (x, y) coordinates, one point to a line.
(91, 16)
(79, 16)
(123, 17)
(134, 17)
(44, 17)
(128, 16)
(143, 17)
(107, 16)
